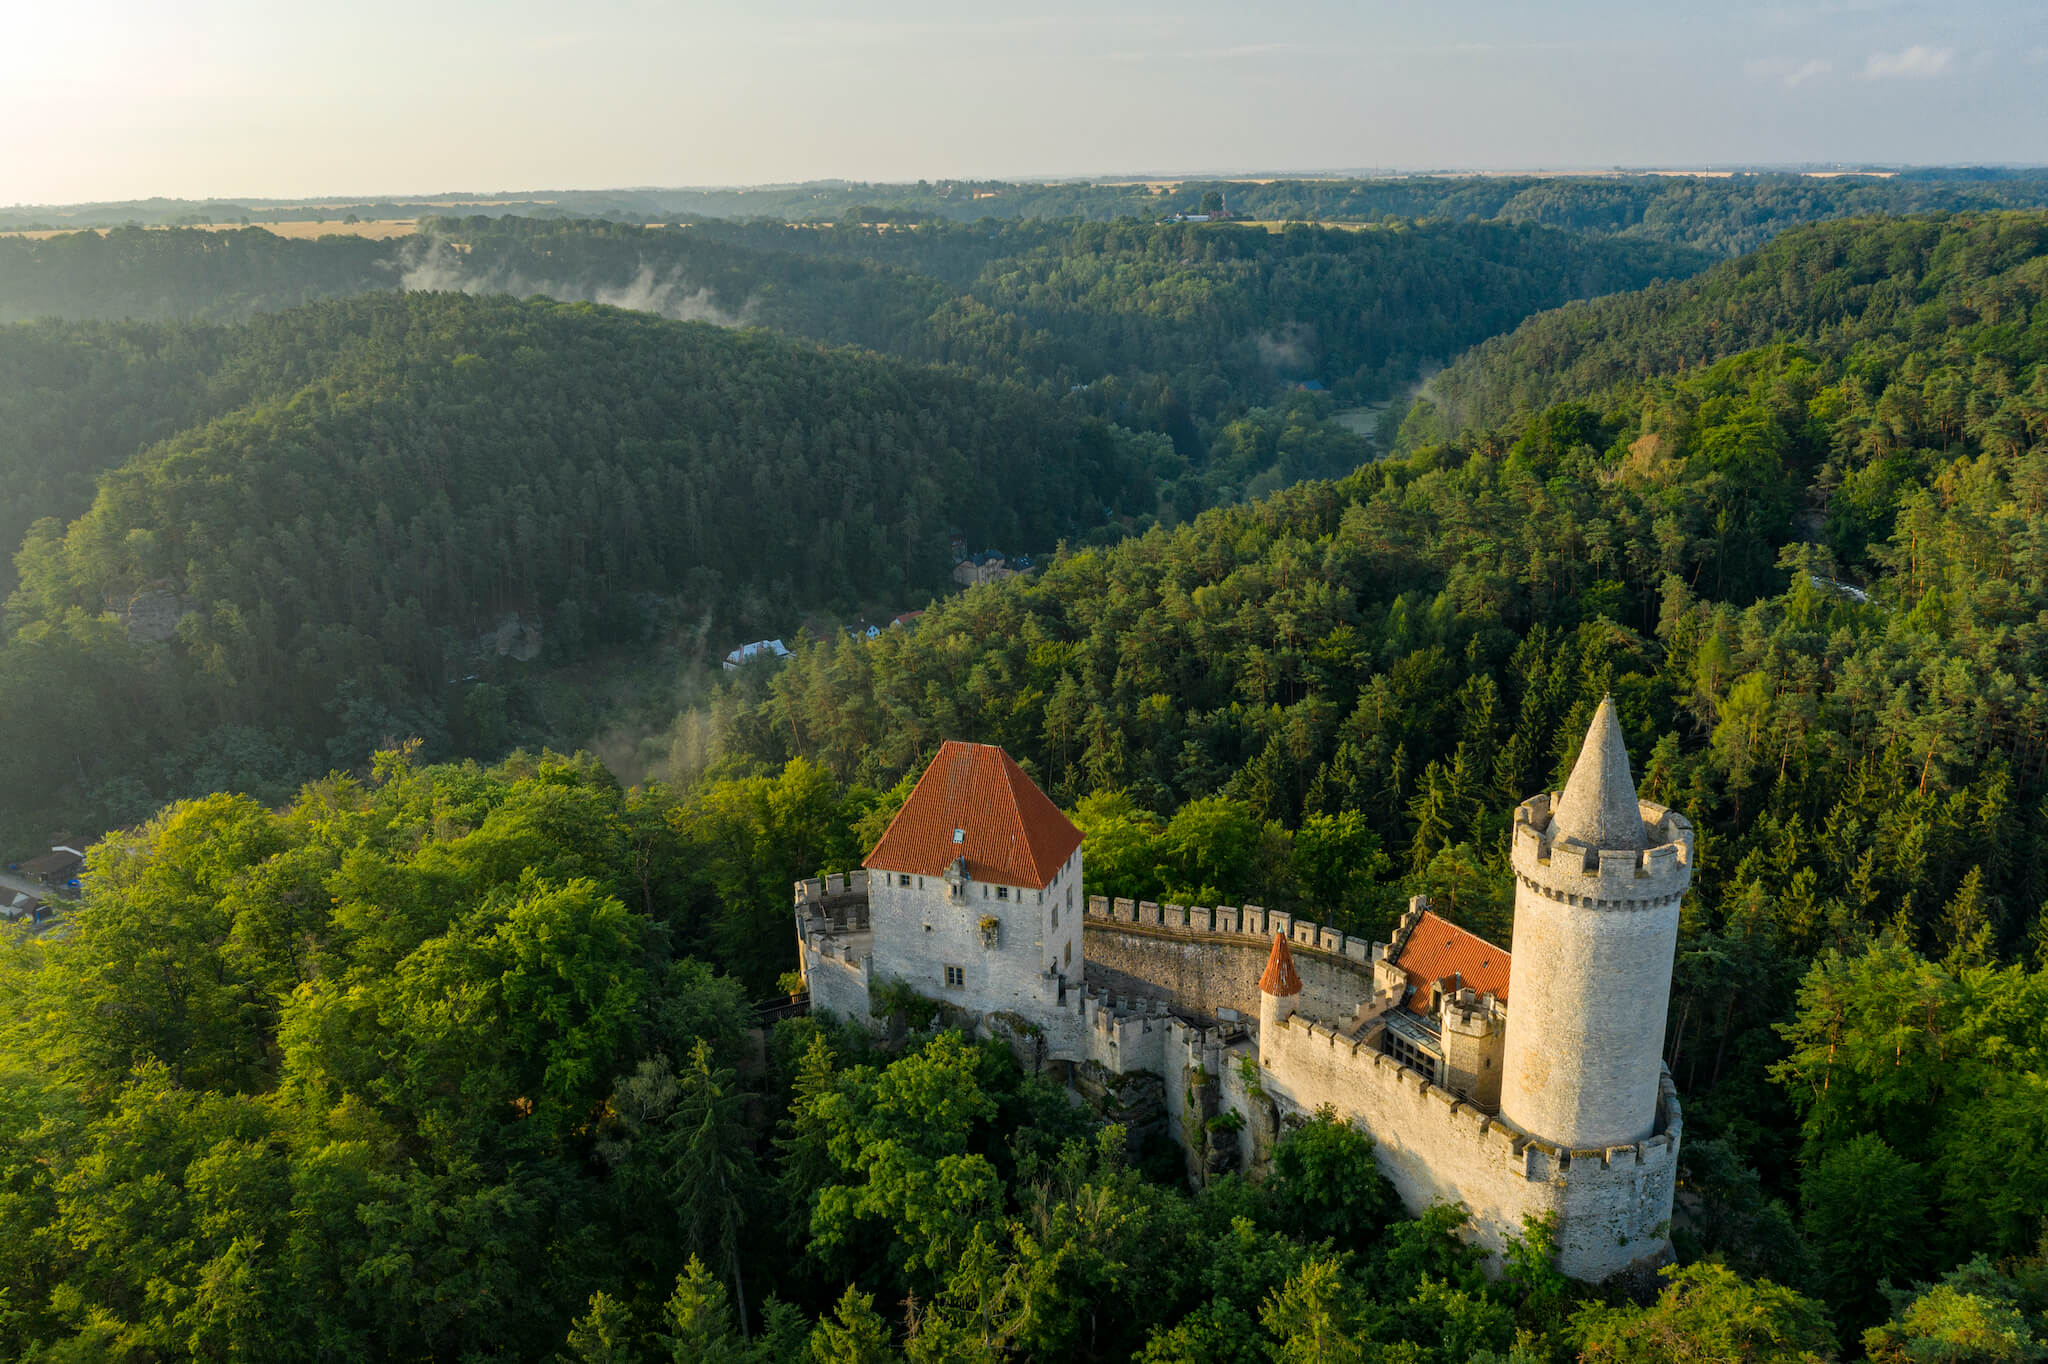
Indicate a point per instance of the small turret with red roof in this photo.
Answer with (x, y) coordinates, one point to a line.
(1279, 987)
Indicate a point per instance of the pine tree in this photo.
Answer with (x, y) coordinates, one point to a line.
(700, 1329)
(604, 1334)
(1966, 923)
(801, 1144)
(713, 1170)
(854, 1334)
(1433, 811)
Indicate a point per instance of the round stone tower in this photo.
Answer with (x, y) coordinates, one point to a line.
(1279, 988)
(1598, 879)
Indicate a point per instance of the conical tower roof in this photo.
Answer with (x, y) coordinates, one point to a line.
(1281, 978)
(1598, 807)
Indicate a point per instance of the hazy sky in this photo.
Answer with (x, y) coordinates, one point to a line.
(103, 99)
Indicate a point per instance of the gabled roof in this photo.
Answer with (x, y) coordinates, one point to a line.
(975, 802)
(1598, 807)
(1281, 978)
(56, 862)
(1439, 950)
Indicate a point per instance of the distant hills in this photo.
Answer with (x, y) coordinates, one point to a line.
(1722, 213)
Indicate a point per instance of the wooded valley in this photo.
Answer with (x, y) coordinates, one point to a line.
(390, 1032)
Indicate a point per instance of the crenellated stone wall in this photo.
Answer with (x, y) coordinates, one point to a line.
(834, 944)
(1613, 1203)
(1206, 960)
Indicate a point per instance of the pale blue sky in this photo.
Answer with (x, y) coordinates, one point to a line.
(105, 99)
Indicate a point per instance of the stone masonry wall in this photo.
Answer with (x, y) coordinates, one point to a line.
(1002, 939)
(1591, 979)
(833, 944)
(1201, 960)
(1613, 1204)
(838, 987)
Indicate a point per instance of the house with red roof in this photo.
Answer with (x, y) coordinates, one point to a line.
(1450, 1016)
(974, 892)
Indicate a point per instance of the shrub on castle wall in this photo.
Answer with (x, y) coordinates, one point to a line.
(894, 999)
(1248, 1072)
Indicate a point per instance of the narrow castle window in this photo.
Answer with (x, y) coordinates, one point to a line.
(1055, 914)
(1070, 951)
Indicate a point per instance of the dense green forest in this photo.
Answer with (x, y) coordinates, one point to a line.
(311, 525)
(1959, 287)
(456, 1061)
(138, 274)
(1155, 325)
(450, 1063)
(1723, 214)
(1158, 326)
(414, 487)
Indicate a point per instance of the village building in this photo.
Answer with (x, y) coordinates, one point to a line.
(1523, 1084)
(57, 867)
(770, 649)
(988, 567)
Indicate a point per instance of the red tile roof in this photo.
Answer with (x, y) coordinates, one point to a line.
(1009, 831)
(1439, 950)
(1281, 978)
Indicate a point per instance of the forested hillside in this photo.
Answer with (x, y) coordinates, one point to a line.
(1955, 287)
(337, 560)
(311, 527)
(134, 274)
(1179, 330)
(1154, 324)
(1368, 674)
(1186, 319)
(77, 399)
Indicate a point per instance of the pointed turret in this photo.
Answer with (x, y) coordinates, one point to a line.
(1278, 988)
(1281, 978)
(1599, 879)
(1598, 807)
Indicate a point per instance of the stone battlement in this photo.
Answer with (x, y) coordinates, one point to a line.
(1434, 1145)
(1529, 1156)
(827, 892)
(832, 906)
(835, 942)
(1602, 878)
(1234, 923)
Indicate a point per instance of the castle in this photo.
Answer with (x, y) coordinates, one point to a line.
(1521, 1086)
